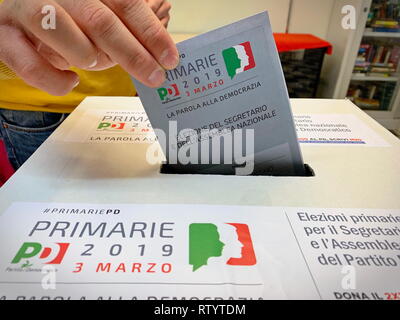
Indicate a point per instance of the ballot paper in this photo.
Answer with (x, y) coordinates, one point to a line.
(229, 84)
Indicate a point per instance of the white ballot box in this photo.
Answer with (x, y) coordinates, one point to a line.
(89, 217)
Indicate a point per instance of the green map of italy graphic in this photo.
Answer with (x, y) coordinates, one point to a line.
(204, 243)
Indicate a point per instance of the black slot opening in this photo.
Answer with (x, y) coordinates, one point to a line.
(224, 170)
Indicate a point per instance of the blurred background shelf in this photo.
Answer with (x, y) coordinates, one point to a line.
(368, 57)
(362, 77)
(381, 34)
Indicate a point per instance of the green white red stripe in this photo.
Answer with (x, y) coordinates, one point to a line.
(238, 59)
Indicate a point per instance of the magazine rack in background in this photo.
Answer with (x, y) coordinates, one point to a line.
(302, 57)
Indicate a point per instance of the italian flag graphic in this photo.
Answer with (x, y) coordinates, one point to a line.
(238, 59)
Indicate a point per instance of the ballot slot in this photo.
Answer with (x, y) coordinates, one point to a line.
(226, 158)
(227, 170)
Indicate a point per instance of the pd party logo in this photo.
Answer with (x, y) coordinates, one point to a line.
(170, 93)
(238, 59)
(48, 255)
(108, 126)
(208, 240)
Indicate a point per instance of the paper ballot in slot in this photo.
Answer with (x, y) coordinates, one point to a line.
(228, 80)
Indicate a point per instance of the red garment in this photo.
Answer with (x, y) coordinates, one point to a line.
(6, 170)
(293, 41)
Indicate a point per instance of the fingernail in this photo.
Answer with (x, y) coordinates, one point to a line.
(157, 77)
(93, 64)
(76, 84)
(169, 60)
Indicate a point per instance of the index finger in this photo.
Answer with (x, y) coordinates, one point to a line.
(111, 36)
(154, 4)
(148, 29)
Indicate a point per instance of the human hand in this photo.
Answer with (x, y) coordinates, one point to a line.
(89, 34)
(161, 8)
